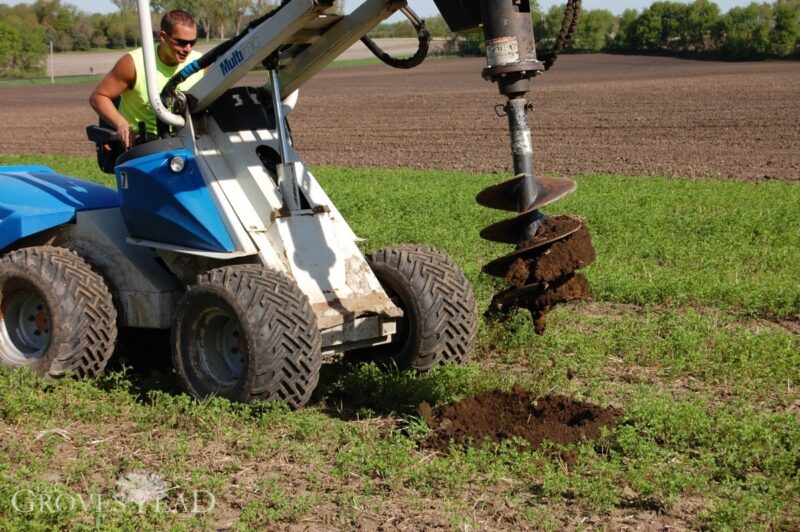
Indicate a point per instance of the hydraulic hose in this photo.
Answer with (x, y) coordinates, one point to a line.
(161, 111)
(569, 24)
(207, 59)
(423, 36)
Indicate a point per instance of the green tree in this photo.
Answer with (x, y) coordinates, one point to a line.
(698, 32)
(262, 7)
(217, 14)
(437, 27)
(550, 24)
(746, 31)
(56, 21)
(594, 29)
(82, 32)
(785, 36)
(126, 5)
(472, 44)
(401, 28)
(625, 29)
(235, 12)
(659, 27)
(9, 42)
(116, 32)
(22, 48)
(99, 38)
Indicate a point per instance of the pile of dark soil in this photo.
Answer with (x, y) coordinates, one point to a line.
(495, 415)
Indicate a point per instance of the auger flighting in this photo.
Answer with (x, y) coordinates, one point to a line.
(541, 270)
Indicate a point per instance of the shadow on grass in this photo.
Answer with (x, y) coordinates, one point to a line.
(143, 356)
(347, 389)
(353, 390)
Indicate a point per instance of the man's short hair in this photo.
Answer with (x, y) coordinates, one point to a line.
(175, 17)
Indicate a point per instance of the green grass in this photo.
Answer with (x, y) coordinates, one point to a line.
(61, 80)
(741, 462)
(666, 241)
(673, 242)
(690, 280)
(83, 167)
(677, 351)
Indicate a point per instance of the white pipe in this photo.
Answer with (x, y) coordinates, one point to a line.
(290, 101)
(280, 127)
(146, 29)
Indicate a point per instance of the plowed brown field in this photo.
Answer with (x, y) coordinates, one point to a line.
(594, 113)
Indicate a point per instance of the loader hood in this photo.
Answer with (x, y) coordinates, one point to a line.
(35, 198)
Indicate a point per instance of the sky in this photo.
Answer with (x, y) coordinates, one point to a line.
(426, 8)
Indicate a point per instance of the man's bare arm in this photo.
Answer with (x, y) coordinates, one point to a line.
(121, 78)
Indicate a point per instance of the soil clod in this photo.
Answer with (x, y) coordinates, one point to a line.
(552, 228)
(549, 277)
(572, 288)
(518, 273)
(495, 415)
(564, 255)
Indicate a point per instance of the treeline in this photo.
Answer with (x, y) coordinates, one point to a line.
(756, 31)
(759, 30)
(27, 30)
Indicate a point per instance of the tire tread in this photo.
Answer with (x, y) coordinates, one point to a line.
(446, 300)
(288, 343)
(86, 337)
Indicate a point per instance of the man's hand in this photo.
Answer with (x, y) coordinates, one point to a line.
(127, 137)
(121, 78)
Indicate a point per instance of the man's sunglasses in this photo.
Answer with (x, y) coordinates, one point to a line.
(182, 42)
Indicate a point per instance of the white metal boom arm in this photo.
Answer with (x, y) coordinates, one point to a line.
(308, 39)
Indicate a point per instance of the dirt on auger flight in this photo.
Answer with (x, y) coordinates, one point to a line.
(547, 277)
(563, 257)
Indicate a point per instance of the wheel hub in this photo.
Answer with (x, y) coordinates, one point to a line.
(42, 321)
(24, 326)
(221, 347)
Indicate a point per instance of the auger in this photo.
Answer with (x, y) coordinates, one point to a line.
(541, 269)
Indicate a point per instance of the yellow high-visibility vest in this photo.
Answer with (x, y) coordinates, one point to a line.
(134, 104)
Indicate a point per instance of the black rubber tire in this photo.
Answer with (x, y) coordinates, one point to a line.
(56, 314)
(440, 316)
(271, 323)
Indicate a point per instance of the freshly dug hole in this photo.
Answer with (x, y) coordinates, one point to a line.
(495, 415)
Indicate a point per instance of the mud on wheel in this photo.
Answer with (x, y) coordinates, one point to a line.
(246, 332)
(440, 319)
(56, 314)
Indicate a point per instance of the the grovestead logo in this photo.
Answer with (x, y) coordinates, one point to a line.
(231, 61)
(138, 490)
